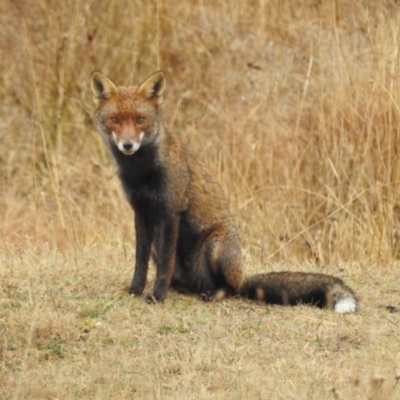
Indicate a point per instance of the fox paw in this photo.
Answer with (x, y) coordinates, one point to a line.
(207, 296)
(213, 296)
(150, 299)
(134, 291)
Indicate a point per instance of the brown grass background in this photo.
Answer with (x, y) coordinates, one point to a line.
(295, 107)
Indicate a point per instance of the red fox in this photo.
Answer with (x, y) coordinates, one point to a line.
(181, 214)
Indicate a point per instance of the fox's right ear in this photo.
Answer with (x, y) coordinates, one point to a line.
(102, 87)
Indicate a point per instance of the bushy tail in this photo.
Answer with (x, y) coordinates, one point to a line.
(291, 288)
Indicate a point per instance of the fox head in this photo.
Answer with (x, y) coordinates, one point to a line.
(128, 117)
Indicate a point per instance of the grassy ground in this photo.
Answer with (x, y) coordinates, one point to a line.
(294, 105)
(67, 331)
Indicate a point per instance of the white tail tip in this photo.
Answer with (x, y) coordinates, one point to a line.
(346, 305)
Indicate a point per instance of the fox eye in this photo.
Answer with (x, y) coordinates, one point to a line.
(139, 120)
(115, 120)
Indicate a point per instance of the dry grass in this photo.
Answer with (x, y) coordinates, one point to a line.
(295, 105)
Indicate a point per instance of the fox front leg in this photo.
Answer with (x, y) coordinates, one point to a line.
(144, 236)
(166, 245)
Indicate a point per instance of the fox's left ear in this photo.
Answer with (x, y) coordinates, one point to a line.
(153, 87)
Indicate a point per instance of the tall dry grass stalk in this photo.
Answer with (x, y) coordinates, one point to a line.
(295, 105)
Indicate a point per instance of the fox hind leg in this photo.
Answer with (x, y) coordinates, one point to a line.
(211, 266)
(225, 259)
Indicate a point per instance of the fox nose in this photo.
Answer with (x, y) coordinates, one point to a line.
(127, 146)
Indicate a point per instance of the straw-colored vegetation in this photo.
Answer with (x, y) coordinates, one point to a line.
(295, 105)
